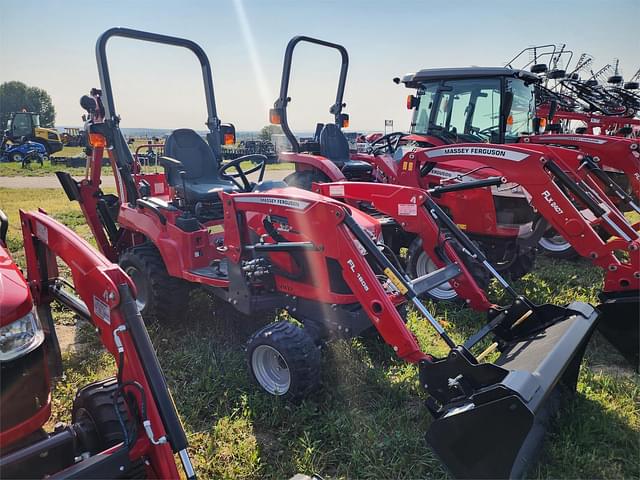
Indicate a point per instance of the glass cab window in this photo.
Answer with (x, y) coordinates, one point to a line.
(21, 125)
(523, 110)
(469, 110)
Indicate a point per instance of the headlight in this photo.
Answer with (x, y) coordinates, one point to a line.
(20, 337)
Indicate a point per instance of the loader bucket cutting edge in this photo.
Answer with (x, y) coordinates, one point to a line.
(620, 323)
(498, 432)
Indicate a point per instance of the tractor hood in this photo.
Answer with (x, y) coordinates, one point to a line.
(15, 297)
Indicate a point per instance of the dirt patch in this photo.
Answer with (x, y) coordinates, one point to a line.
(68, 338)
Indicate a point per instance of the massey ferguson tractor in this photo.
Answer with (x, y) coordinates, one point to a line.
(125, 426)
(458, 105)
(263, 245)
(563, 185)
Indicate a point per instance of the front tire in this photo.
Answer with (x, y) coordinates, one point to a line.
(284, 360)
(159, 295)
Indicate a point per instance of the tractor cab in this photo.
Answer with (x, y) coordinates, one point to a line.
(23, 126)
(475, 104)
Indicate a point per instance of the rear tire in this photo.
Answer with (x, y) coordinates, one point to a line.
(419, 264)
(159, 295)
(554, 246)
(93, 408)
(284, 360)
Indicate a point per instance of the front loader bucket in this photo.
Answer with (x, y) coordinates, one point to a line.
(620, 323)
(497, 431)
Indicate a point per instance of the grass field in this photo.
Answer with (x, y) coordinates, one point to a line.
(368, 421)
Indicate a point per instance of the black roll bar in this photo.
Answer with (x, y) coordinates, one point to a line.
(213, 123)
(281, 103)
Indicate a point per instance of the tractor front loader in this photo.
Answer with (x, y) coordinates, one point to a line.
(578, 210)
(467, 396)
(123, 427)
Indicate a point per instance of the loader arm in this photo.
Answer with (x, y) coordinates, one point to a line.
(532, 170)
(406, 206)
(615, 154)
(106, 298)
(314, 217)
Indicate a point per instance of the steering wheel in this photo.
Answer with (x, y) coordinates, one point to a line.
(487, 132)
(390, 142)
(241, 173)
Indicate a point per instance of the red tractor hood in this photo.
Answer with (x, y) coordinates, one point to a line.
(15, 297)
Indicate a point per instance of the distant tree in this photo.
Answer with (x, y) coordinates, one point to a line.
(16, 96)
(268, 130)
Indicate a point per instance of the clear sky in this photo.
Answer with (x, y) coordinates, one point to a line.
(50, 44)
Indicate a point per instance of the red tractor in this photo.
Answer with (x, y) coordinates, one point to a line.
(537, 177)
(260, 246)
(460, 104)
(123, 426)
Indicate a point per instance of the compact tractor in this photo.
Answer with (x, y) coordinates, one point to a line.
(563, 185)
(263, 245)
(125, 426)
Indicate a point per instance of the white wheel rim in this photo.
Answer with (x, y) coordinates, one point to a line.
(425, 265)
(555, 243)
(271, 370)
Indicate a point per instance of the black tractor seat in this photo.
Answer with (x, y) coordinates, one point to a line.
(201, 181)
(335, 147)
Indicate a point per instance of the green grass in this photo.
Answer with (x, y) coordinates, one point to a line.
(369, 420)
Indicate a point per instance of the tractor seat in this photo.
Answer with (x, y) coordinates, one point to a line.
(335, 147)
(201, 182)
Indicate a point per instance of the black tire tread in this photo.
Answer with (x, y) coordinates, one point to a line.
(298, 349)
(96, 398)
(168, 295)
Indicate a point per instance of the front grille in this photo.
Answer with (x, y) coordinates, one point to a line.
(24, 388)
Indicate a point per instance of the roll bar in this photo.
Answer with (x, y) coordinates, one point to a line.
(280, 105)
(213, 123)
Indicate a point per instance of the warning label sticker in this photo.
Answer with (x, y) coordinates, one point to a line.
(407, 209)
(101, 310)
(336, 190)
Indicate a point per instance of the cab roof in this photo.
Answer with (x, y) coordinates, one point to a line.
(413, 80)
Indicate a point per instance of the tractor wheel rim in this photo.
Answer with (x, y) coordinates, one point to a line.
(425, 265)
(141, 286)
(554, 243)
(271, 370)
(18, 157)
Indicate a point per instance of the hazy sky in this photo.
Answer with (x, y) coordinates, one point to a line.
(51, 44)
